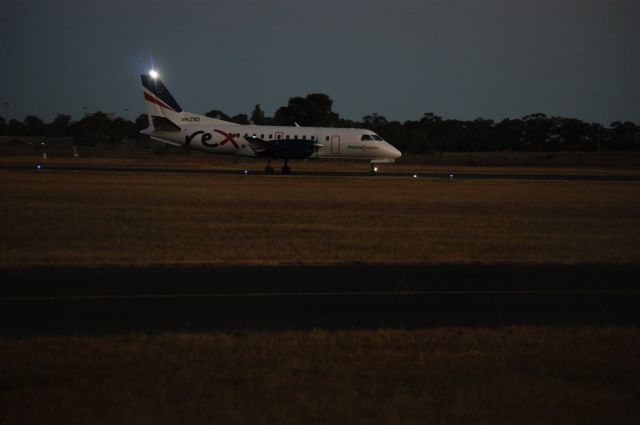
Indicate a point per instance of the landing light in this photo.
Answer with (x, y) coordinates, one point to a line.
(415, 176)
(153, 74)
(375, 169)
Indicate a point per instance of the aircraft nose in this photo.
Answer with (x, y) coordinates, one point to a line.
(394, 153)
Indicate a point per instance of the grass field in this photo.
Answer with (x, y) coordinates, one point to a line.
(57, 218)
(524, 375)
(520, 375)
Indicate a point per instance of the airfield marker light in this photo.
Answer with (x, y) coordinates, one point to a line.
(37, 166)
(246, 172)
(375, 169)
(153, 74)
(415, 176)
(450, 176)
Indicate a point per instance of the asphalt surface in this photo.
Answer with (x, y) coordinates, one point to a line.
(40, 167)
(71, 301)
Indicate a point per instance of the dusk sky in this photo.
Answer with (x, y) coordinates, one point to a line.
(400, 58)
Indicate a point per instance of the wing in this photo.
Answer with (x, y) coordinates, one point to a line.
(283, 148)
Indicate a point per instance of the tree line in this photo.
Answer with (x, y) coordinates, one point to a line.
(429, 134)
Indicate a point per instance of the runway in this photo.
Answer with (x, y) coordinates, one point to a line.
(70, 301)
(41, 167)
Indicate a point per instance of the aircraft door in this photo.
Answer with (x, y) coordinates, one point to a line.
(335, 144)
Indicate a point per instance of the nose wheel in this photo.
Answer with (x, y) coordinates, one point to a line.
(373, 171)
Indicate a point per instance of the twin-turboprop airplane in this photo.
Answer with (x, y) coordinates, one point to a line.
(168, 123)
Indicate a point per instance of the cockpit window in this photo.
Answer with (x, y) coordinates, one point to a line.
(376, 137)
(366, 137)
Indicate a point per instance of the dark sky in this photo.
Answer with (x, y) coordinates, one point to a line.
(400, 58)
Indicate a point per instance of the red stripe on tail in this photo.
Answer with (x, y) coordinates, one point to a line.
(152, 99)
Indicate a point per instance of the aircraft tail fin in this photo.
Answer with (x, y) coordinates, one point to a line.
(163, 111)
(162, 108)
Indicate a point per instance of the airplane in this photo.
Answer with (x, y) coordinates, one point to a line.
(168, 123)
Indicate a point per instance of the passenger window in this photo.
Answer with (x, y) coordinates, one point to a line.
(279, 136)
(313, 137)
(270, 136)
(262, 136)
(304, 137)
(326, 138)
(287, 137)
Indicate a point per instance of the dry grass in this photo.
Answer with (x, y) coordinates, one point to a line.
(513, 375)
(112, 218)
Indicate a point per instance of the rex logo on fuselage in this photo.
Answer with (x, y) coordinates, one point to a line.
(206, 137)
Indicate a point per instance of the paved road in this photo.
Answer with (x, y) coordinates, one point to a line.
(71, 301)
(38, 167)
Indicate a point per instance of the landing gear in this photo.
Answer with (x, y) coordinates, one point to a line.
(285, 168)
(268, 169)
(373, 171)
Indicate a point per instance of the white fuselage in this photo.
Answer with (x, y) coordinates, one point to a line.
(229, 139)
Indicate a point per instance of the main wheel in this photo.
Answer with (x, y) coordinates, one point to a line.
(268, 170)
(286, 169)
